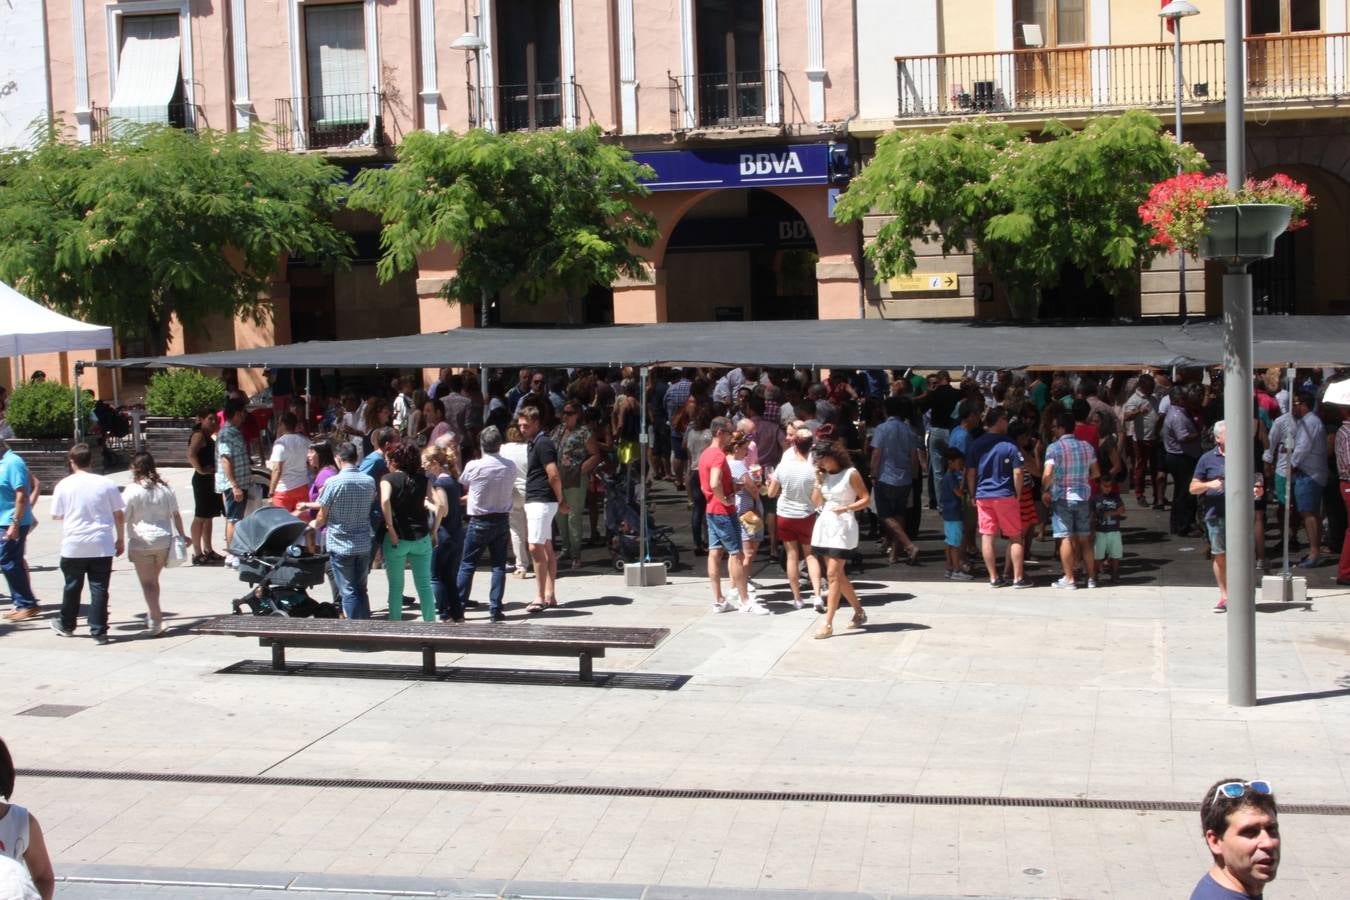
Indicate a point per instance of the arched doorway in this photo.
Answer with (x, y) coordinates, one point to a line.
(1310, 271)
(741, 255)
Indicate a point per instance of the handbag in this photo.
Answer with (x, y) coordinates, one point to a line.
(178, 552)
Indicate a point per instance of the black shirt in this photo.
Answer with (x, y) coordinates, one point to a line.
(406, 494)
(542, 452)
(941, 402)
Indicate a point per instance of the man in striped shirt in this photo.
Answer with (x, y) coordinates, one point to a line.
(1070, 467)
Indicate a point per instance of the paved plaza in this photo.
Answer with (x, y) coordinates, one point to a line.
(766, 761)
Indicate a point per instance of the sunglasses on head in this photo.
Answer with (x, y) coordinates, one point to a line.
(1236, 790)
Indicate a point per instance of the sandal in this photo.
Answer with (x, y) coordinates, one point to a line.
(913, 555)
(858, 621)
(537, 606)
(824, 632)
(551, 603)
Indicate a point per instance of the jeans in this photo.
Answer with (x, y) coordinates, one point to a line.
(1343, 568)
(571, 525)
(698, 522)
(488, 533)
(16, 574)
(418, 553)
(98, 569)
(1182, 469)
(444, 570)
(1145, 466)
(349, 572)
(939, 439)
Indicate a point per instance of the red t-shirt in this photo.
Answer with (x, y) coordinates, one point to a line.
(1086, 432)
(714, 458)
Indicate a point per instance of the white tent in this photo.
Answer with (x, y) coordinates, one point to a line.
(29, 327)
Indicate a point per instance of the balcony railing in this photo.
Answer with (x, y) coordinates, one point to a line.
(330, 122)
(106, 124)
(1281, 69)
(527, 107)
(726, 99)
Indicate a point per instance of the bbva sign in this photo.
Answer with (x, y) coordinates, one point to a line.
(784, 163)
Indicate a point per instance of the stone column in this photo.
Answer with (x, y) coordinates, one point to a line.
(641, 302)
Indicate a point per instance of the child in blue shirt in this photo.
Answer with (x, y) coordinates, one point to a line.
(951, 490)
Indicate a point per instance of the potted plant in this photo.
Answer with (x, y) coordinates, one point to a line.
(42, 415)
(172, 401)
(1200, 215)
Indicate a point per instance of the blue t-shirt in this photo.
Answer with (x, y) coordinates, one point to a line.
(1106, 503)
(993, 457)
(1209, 889)
(949, 497)
(1209, 468)
(14, 478)
(896, 442)
(960, 439)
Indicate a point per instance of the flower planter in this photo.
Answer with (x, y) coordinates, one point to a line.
(166, 439)
(1243, 233)
(46, 458)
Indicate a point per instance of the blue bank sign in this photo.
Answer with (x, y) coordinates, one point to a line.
(741, 167)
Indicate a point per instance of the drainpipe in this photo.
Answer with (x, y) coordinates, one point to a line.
(857, 231)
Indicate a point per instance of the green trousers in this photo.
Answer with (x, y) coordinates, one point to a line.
(418, 555)
(571, 525)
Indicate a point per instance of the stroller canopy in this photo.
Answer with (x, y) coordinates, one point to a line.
(266, 532)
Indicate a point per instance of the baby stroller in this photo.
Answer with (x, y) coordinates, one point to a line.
(279, 569)
(623, 506)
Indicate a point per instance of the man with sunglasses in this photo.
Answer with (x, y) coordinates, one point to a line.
(1242, 831)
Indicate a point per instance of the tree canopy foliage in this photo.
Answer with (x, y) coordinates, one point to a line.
(160, 222)
(530, 214)
(1030, 208)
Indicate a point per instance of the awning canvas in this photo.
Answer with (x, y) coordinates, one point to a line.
(29, 327)
(147, 79)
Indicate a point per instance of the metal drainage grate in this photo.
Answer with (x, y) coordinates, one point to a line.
(581, 790)
(53, 710)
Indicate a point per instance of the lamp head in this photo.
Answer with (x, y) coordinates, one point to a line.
(468, 41)
(1178, 9)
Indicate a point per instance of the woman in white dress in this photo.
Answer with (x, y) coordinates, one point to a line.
(153, 523)
(839, 492)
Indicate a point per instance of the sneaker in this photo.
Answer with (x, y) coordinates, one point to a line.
(1092, 583)
(961, 576)
(1023, 583)
(724, 606)
(1064, 584)
(1260, 565)
(18, 615)
(755, 608)
(102, 639)
(947, 574)
(60, 629)
(497, 617)
(155, 627)
(231, 561)
(798, 603)
(819, 605)
(1221, 606)
(998, 583)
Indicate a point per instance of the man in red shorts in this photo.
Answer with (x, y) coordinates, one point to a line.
(994, 479)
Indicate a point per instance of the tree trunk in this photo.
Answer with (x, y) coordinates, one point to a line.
(570, 307)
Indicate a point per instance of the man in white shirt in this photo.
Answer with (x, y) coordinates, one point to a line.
(91, 512)
(289, 463)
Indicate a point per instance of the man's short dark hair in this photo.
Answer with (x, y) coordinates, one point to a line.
(347, 452)
(1306, 398)
(234, 406)
(1081, 410)
(455, 383)
(80, 455)
(1065, 419)
(530, 412)
(383, 437)
(719, 425)
(290, 420)
(995, 415)
(6, 772)
(952, 453)
(805, 408)
(1216, 807)
(895, 406)
(490, 439)
(756, 404)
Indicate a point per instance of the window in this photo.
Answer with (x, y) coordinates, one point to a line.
(730, 42)
(149, 85)
(1284, 16)
(529, 64)
(338, 106)
(1061, 22)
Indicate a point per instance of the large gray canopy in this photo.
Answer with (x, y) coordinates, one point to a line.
(828, 343)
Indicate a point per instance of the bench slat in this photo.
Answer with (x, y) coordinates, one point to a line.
(439, 634)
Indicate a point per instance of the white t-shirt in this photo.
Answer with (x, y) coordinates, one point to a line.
(291, 452)
(797, 477)
(14, 881)
(85, 503)
(518, 452)
(149, 516)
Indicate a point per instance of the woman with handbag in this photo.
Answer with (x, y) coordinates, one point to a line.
(154, 532)
(838, 494)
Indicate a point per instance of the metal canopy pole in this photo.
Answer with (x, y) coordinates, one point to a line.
(644, 557)
(1287, 451)
(1237, 397)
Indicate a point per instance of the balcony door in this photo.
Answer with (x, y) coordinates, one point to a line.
(1286, 52)
(1052, 67)
(529, 65)
(730, 79)
(338, 105)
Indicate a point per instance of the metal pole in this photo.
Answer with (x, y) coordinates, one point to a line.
(1237, 397)
(1177, 76)
(1287, 450)
(642, 475)
(482, 367)
(75, 387)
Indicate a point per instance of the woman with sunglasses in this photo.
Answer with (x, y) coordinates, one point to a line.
(578, 455)
(838, 494)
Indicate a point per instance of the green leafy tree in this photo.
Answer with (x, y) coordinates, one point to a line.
(160, 222)
(1030, 208)
(532, 215)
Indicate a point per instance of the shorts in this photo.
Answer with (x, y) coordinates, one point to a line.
(661, 439)
(999, 514)
(677, 447)
(835, 552)
(1108, 545)
(770, 505)
(234, 509)
(891, 500)
(205, 501)
(158, 556)
(796, 531)
(1307, 495)
(539, 521)
(1281, 489)
(724, 531)
(1071, 518)
(1214, 527)
(953, 532)
(287, 499)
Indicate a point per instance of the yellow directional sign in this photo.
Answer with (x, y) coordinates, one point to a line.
(923, 281)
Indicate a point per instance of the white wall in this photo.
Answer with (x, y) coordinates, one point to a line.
(887, 29)
(23, 68)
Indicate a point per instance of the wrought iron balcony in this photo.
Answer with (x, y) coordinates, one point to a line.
(1281, 70)
(108, 123)
(726, 99)
(330, 122)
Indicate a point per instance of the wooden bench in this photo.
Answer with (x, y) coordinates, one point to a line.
(527, 639)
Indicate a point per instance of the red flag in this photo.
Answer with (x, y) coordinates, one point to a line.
(1171, 23)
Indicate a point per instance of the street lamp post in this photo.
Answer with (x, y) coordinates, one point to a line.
(1173, 13)
(473, 43)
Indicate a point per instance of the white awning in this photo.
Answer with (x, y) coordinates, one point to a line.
(30, 327)
(147, 78)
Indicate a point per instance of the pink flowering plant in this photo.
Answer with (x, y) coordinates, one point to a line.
(1175, 209)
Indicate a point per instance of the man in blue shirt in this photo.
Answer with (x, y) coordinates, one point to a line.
(344, 510)
(16, 519)
(994, 479)
(1242, 833)
(895, 459)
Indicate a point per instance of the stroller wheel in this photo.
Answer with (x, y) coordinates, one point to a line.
(619, 563)
(668, 563)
